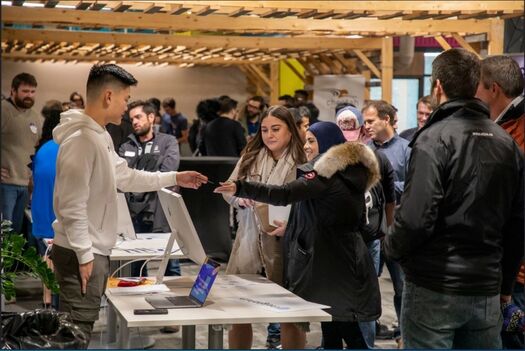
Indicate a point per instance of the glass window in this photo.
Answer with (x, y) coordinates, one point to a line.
(405, 93)
(429, 58)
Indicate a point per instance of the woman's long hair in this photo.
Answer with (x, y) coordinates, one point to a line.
(51, 121)
(255, 145)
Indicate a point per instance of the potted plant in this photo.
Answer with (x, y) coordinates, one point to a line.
(15, 253)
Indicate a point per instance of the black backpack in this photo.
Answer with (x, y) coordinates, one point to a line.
(373, 222)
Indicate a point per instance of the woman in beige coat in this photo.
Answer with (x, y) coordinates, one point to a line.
(270, 157)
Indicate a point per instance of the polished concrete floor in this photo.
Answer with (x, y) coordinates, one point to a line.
(29, 297)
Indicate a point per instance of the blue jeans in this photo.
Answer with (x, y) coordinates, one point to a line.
(398, 279)
(368, 329)
(14, 200)
(432, 320)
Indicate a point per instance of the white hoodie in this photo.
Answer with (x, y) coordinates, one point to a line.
(89, 171)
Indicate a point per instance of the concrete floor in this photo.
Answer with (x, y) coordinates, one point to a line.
(29, 297)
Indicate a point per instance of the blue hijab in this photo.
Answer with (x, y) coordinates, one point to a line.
(328, 134)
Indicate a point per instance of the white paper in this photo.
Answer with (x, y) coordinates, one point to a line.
(139, 290)
(278, 213)
(279, 303)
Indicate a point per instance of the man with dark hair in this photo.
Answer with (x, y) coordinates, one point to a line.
(301, 96)
(253, 110)
(89, 172)
(458, 233)
(148, 151)
(21, 130)
(224, 136)
(173, 122)
(287, 101)
(424, 109)
(379, 120)
(501, 88)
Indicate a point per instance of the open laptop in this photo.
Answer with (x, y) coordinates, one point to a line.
(198, 294)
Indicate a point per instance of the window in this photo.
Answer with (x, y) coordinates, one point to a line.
(405, 93)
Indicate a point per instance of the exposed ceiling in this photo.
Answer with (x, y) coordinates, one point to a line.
(318, 33)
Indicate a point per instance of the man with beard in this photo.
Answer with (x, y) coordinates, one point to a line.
(149, 151)
(253, 110)
(21, 129)
(458, 233)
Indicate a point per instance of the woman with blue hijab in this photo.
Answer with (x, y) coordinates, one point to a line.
(327, 260)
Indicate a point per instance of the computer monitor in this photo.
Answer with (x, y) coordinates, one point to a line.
(181, 225)
(124, 223)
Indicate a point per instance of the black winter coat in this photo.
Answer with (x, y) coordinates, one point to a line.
(326, 260)
(459, 229)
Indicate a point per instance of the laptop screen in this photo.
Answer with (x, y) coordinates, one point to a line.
(202, 286)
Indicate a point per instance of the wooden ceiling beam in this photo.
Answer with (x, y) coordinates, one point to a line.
(69, 57)
(161, 21)
(442, 42)
(435, 5)
(465, 45)
(368, 63)
(289, 43)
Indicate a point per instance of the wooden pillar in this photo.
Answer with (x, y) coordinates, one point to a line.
(274, 82)
(367, 75)
(495, 36)
(387, 68)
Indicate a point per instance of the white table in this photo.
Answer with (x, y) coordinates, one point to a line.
(147, 245)
(222, 307)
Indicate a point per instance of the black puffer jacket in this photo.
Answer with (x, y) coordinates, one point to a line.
(326, 260)
(459, 228)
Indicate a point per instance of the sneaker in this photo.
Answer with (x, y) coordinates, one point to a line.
(273, 344)
(170, 330)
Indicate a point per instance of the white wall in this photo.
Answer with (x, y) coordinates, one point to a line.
(187, 85)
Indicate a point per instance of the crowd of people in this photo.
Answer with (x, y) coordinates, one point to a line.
(441, 204)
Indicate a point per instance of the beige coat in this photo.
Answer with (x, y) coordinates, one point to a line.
(253, 250)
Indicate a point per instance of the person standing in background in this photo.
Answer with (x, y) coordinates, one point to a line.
(21, 127)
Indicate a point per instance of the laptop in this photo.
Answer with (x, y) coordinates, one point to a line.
(198, 294)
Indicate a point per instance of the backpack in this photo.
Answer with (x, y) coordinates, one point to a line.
(373, 222)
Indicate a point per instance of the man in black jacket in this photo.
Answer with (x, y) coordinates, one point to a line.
(459, 230)
(152, 152)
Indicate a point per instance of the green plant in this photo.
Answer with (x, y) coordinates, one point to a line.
(13, 254)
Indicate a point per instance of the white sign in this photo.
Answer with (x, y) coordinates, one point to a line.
(329, 90)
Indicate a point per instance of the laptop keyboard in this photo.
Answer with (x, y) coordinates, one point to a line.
(180, 300)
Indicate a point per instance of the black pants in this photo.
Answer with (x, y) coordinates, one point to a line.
(335, 332)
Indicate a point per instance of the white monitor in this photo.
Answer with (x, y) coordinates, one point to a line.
(124, 223)
(182, 226)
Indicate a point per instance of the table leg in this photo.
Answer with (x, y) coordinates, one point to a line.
(188, 337)
(111, 323)
(123, 335)
(215, 337)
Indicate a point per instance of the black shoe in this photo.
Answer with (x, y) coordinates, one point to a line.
(383, 333)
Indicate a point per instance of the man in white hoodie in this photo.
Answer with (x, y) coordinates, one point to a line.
(89, 172)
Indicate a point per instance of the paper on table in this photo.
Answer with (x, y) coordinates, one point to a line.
(279, 303)
(139, 290)
(278, 213)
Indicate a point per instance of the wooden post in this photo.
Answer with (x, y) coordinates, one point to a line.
(497, 30)
(274, 82)
(367, 75)
(387, 68)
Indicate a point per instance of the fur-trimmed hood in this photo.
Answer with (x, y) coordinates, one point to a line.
(339, 157)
